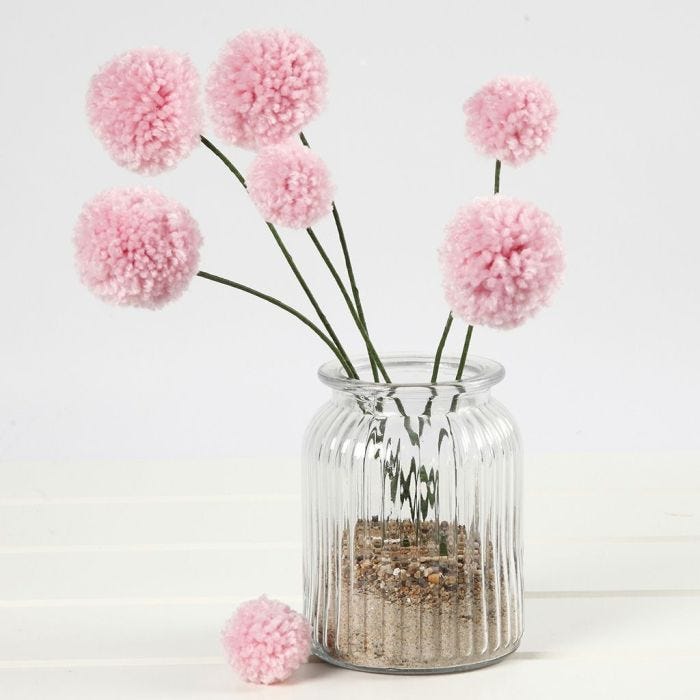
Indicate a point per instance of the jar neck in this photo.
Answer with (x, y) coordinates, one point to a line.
(409, 402)
(409, 394)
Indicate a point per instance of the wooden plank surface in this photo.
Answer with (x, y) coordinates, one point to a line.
(115, 580)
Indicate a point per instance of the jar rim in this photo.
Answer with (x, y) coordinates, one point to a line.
(480, 373)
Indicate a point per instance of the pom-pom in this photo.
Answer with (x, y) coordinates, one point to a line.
(290, 185)
(136, 247)
(502, 259)
(511, 119)
(266, 641)
(265, 87)
(144, 106)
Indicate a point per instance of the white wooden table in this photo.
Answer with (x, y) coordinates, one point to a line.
(115, 580)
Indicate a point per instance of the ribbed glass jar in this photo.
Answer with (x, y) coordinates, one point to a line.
(412, 496)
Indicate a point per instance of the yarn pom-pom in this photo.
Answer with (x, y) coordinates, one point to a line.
(290, 185)
(136, 247)
(144, 106)
(502, 259)
(266, 641)
(511, 119)
(265, 87)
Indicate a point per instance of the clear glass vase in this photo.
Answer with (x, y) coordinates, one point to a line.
(412, 499)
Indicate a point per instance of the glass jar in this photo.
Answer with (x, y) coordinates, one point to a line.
(412, 499)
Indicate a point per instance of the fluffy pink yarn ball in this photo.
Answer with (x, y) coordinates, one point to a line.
(511, 119)
(265, 87)
(290, 185)
(136, 247)
(266, 641)
(144, 106)
(502, 259)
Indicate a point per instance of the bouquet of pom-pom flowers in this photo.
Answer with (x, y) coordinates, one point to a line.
(501, 258)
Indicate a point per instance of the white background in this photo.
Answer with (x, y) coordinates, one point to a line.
(612, 365)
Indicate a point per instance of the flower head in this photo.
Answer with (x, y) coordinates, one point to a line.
(290, 185)
(511, 119)
(502, 259)
(265, 87)
(266, 641)
(144, 106)
(136, 247)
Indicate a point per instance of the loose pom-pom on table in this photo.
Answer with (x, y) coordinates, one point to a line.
(502, 259)
(136, 247)
(290, 185)
(266, 641)
(265, 87)
(144, 106)
(511, 119)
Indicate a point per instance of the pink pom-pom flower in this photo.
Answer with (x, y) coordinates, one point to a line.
(502, 259)
(290, 185)
(266, 641)
(265, 87)
(136, 247)
(511, 119)
(144, 106)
